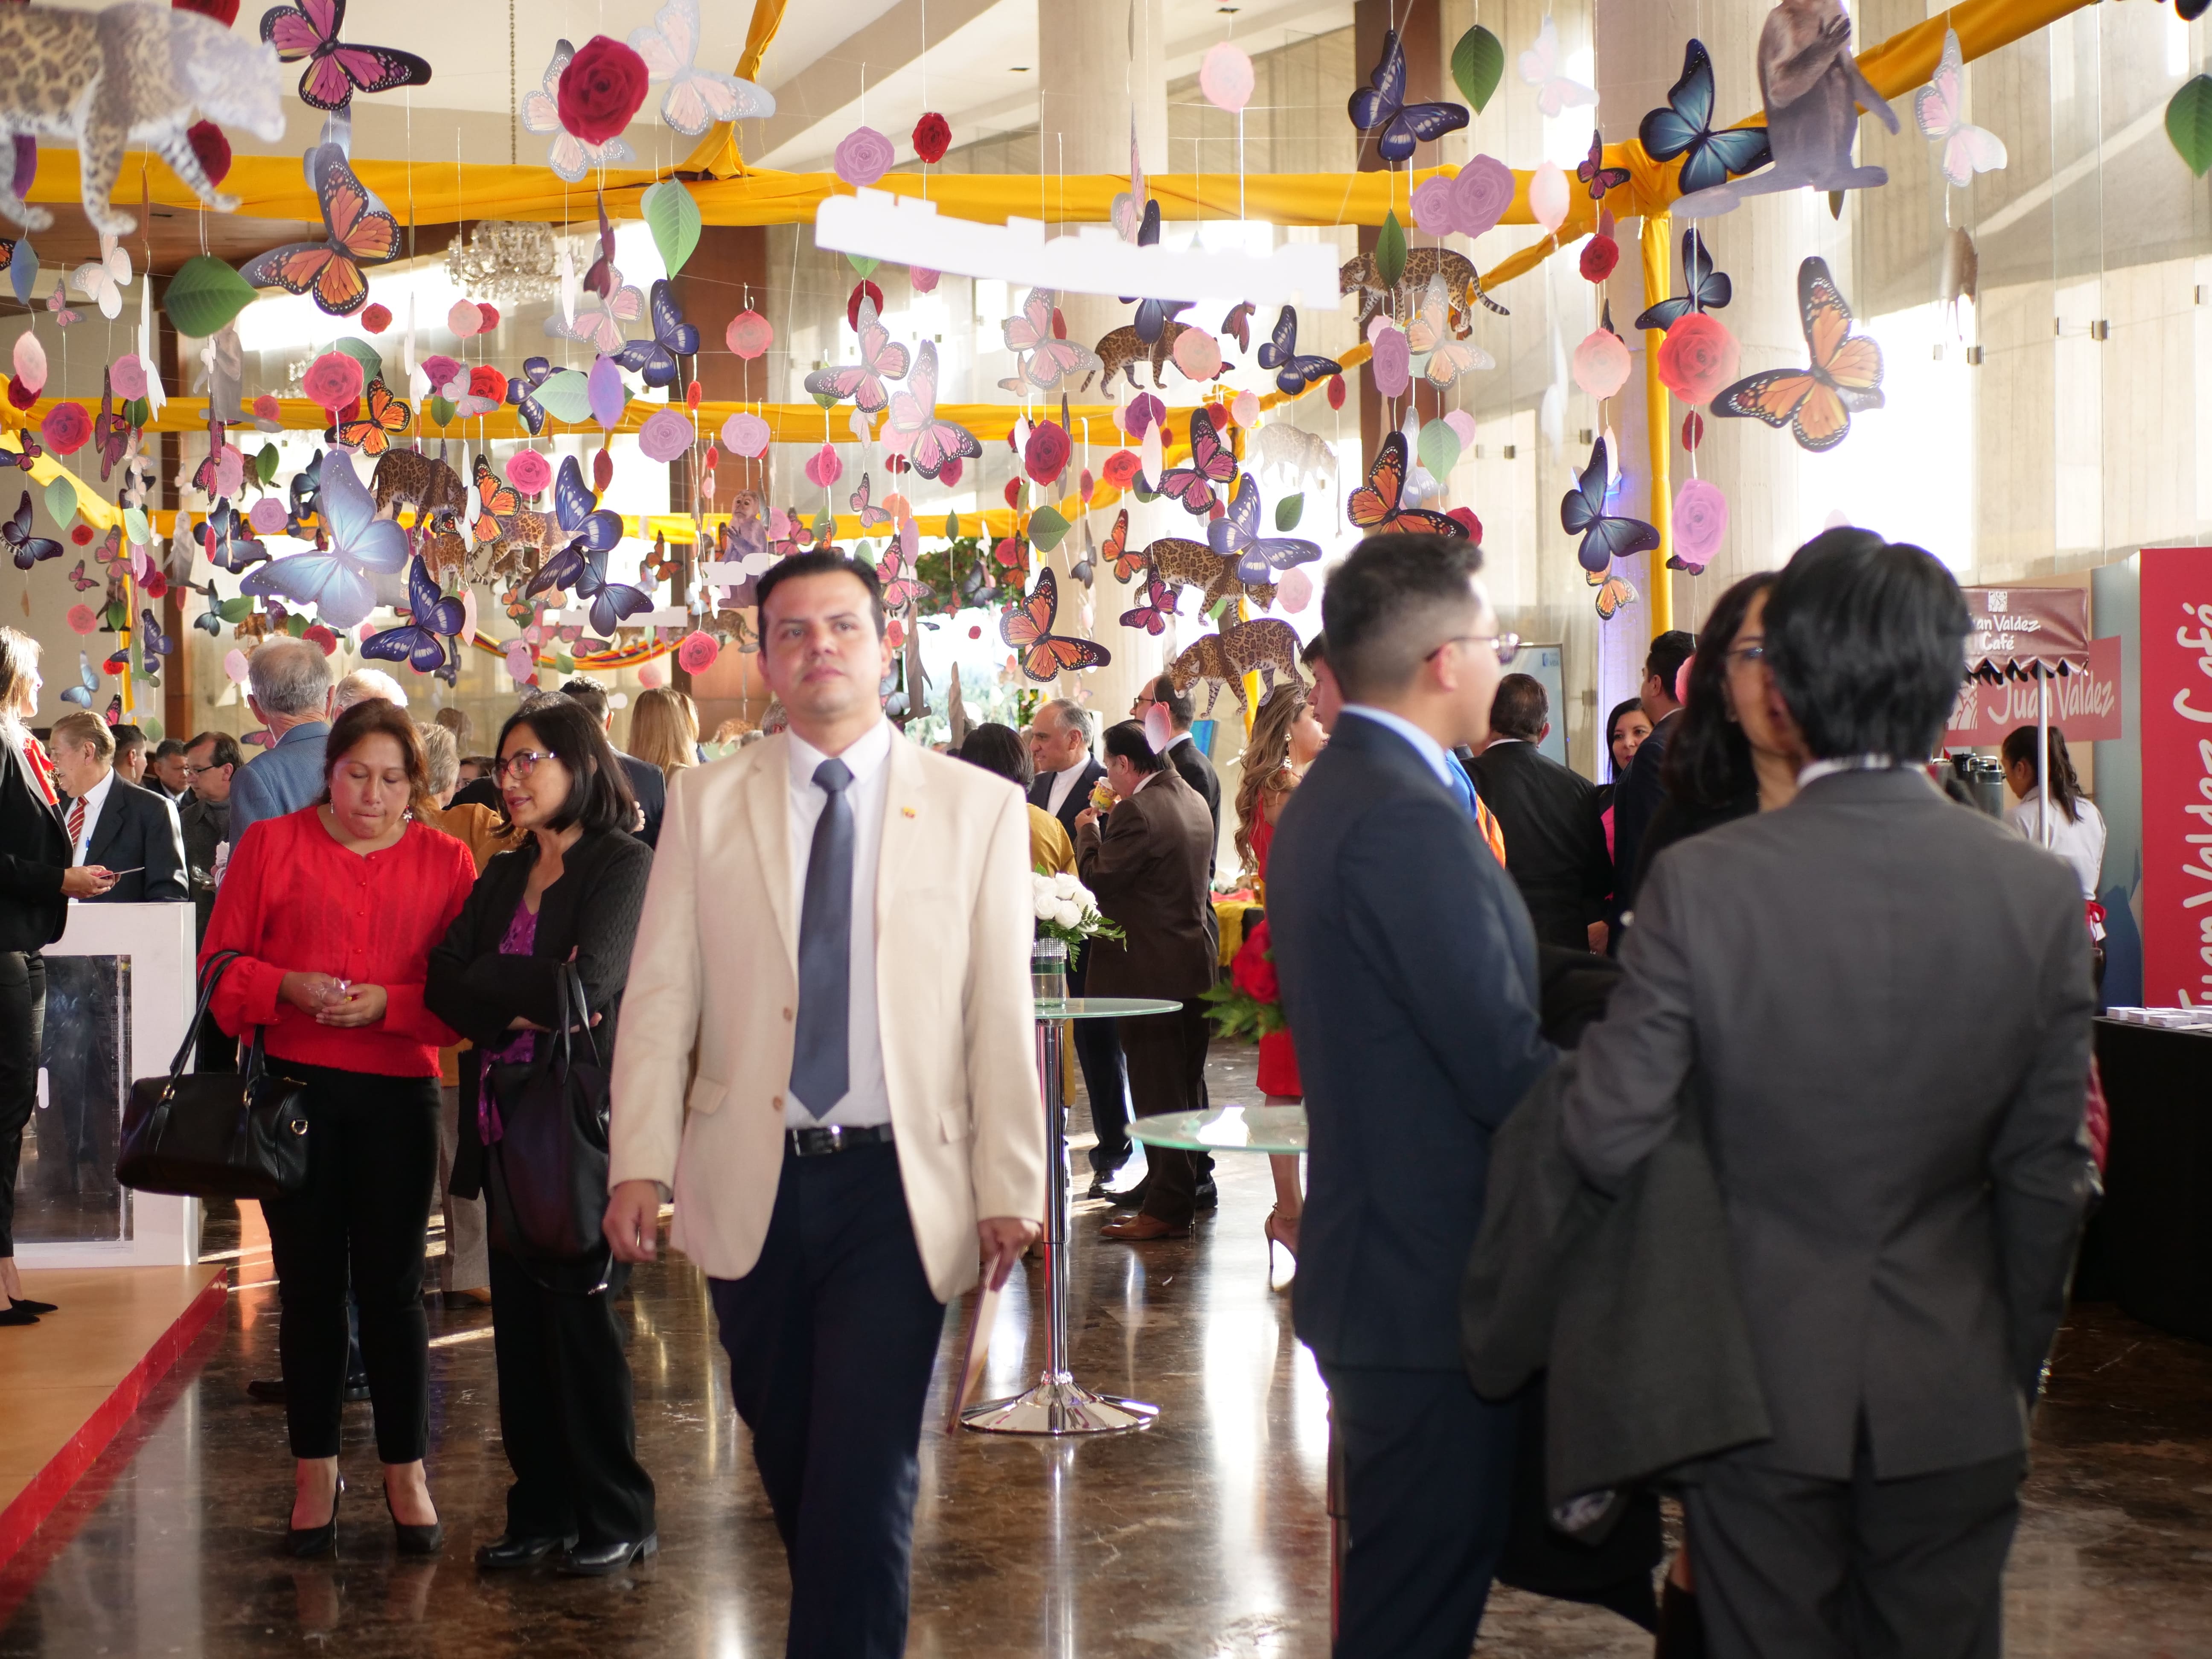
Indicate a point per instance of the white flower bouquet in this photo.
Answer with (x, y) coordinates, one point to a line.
(1067, 911)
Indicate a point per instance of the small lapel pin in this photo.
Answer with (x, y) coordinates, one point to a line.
(906, 812)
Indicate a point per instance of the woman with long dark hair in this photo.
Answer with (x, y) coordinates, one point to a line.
(570, 894)
(2077, 828)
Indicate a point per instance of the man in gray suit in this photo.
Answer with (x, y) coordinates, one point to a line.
(289, 689)
(1896, 1122)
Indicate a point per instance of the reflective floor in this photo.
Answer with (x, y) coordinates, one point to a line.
(1202, 1536)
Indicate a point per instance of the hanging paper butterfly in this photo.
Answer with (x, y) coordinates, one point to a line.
(867, 511)
(1540, 68)
(1615, 594)
(1684, 128)
(672, 337)
(229, 541)
(305, 488)
(495, 500)
(1212, 462)
(357, 231)
(1152, 315)
(83, 583)
(1237, 535)
(29, 455)
(589, 527)
(928, 442)
(1373, 507)
(1044, 654)
(1127, 563)
(152, 642)
(27, 549)
(1941, 110)
(1429, 331)
(208, 475)
(1381, 105)
(695, 98)
(1606, 536)
(57, 303)
(1156, 606)
(111, 433)
(103, 280)
(882, 358)
(901, 587)
(522, 392)
(1710, 288)
(383, 416)
(1293, 373)
(600, 327)
(417, 643)
(569, 156)
(87, 685)
(1045, 359)
(1816, 404)
(611, 602)
(339, 581)
(1597, 178)
(335, 69)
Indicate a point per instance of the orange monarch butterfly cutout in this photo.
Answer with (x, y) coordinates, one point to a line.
(385, 417)
(358, 232)
(495, 502)
(1373, 507)
(1127, 563)
(1815, 404)
(1042, 653)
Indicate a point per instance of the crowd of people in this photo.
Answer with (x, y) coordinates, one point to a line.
(429, 940)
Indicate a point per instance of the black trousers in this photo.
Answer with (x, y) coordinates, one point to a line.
(1098, 1053)
(1428, 1480)
(358, 1223)
(565, 1411)
(22, 1024)
(1836, 1569)
(1166, 1054)
(831, 1339)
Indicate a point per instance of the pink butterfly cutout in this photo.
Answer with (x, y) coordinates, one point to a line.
(928, 442)
(1045, 361)
(882, 358)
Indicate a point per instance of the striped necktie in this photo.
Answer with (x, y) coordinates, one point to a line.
(75, 825)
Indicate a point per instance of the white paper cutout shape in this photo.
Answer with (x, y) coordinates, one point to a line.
(1941, 110)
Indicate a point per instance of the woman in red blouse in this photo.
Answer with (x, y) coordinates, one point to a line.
(335, 907)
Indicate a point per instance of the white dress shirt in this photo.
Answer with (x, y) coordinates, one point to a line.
(94, 799)
(1063, 782)
(868, 1098)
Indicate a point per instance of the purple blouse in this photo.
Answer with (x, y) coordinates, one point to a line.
(520, 941)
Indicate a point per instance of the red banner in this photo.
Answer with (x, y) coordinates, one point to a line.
(2084, 707)
(2177, 775)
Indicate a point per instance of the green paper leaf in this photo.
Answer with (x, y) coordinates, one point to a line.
(1439, 450)
(826, 399)
(205, 296)
(952, 526)
(136, 531)
(1390, 251)
(866, 267)
(151, 727)
(138, 411)
(2188, 122)
(564, 662)
(60, 498)
(264, 463)
(1047, 528)
(673, 218)
(566, 396)
(1289, 511)
(1225, 611)
(1478, 62)
(235, 610)
(295, 624)
(371, 361)
(439, 410)
(825, 526)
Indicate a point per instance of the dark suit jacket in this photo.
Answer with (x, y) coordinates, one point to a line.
(34, 850)
(1077, 798)
(1554, 843)
(1635, 800)
(1408, 974)
(592, 909)
(645, 782)
(1885, 1003)
(1151, 866)
(138, 831)
(1198, 772)
(206, 826)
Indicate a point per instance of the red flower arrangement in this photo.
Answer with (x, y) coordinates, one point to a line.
(1249, 1004)
(603, 87)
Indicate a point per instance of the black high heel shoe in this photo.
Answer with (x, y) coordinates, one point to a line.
(24, 1305)
(304, 1543)
(414, 1541)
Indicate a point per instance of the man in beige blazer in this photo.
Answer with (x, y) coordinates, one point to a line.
(827, 1057)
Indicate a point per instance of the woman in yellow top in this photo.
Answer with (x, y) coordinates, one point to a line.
(1000, 749)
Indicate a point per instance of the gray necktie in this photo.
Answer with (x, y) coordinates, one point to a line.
(819, 1060)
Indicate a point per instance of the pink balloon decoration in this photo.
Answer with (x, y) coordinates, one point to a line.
(1601, 364)
(745, 435)
(1701, 521)
(529, 472)
(749, 334)
(1224, 76)
(664, 435)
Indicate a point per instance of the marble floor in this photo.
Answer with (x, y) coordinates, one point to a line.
(1202, 1538)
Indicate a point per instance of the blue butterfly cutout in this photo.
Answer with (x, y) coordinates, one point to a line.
(522, 392)
(1237, 535)
(1604, 537)
(1293, 373)
(1381, 105)
(591, 529)
(417, 643)
(1684, 128)
(339, 581)
(1152, 315)
(305, 490)
(611, 602)
(153, 642)
(1710, 288)
(230, 542)
(89, 687)
(27, 549)
(672, 337)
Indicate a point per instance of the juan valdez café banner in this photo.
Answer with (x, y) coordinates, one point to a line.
(2177, 775)
(2085, 706)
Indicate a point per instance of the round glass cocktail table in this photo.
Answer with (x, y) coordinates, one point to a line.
(1229, 1128)
(1058, 1404)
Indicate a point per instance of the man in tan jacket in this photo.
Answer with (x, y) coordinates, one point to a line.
(827, 1056)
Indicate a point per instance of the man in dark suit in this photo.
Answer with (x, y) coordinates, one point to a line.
(646, 781)
(1642, 786)
(1554, 839)
(1902, 1205)
(1184, 752)
(115, 824)
(1408, 972)
(1149, 862)
(1059, 750)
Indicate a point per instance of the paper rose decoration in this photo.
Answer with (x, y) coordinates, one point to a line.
(83, 618)
(65, 428)
(1701, 519)
(485, 381)
(376, 319)
(1224, 76)
(266, 408)
(922, 278)
(1601, 364)
(1044, 457)
(1198, 354)
(1393, 360)
(603, 87)
(745, 435)
(333, 379)
(932, 136)
(464, 319)
(529, 472)
(1698, 358)
(439, 369)
(210, 149)
(823, 468)
(1142, 411)
(1119, 468)
(1467, 204)
(697, 655)
(863, 157)
(664, 435)
(126, 377)
(1599, 255)
(267, 516)
(749, 334)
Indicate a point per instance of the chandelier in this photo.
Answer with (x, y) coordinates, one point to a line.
(505, 261)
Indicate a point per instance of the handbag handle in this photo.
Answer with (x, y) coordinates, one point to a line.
(211, 973)
(573, 1009)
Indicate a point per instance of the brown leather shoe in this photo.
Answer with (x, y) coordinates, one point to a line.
(1141, 1229)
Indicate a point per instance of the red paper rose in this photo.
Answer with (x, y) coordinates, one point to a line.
(948, 472)
(1252, 972)
(376, 319)
(1698, 358)
(490, 317)
(1010, 553)
(1599, 255)
(602, 87)
(1119, 468)
(317, 635)
(66, 429)
(874, 295)
(932, 137)
(19, 395)
(485, 381)
(1046, 454)
(210, 149)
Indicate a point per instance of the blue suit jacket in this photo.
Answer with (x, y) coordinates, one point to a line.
(1408, 970)
(286, 778)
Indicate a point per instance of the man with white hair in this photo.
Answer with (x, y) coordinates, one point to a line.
(287, 686)
(362, 684)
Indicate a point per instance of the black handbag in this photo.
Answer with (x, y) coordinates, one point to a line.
(545, 1177)
(214, 1135)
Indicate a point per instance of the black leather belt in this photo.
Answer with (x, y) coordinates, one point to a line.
(824, 1139)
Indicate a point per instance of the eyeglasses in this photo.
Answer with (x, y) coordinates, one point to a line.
(192, 771)
(1745, 652)
(1508, 645)
(522, 763)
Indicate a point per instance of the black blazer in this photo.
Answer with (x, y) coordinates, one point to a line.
(1198, 772)
(1636, 801)
(1554, 842)
(1077, 798)
(591, 910)
(1408, 972)
(645, 782)
(138, 831)
(34, 850)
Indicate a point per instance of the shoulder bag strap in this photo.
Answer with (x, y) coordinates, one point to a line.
(211, 973)
(573, 984)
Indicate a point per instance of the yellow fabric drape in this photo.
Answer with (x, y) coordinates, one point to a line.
(1658, 232)
(718, 153)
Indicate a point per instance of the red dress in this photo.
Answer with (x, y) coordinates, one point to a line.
(1279, 1060)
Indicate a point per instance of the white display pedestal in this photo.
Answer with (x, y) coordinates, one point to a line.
(154, 944)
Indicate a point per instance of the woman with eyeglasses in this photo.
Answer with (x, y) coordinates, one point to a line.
(571, 893)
